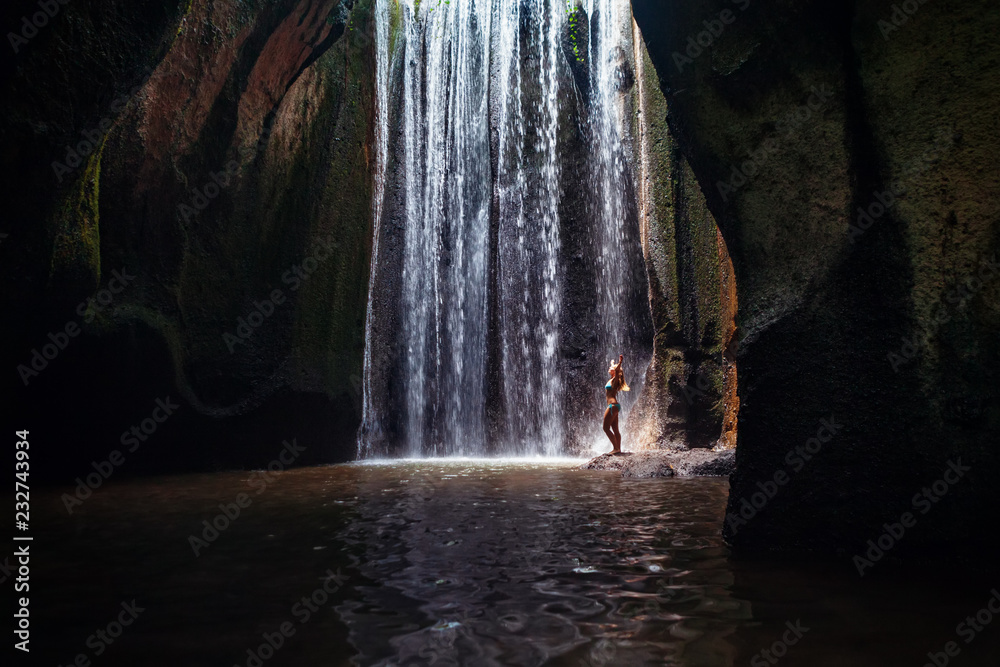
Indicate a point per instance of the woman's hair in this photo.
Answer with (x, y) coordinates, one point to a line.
(618, 383)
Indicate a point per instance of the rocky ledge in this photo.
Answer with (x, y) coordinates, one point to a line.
(667, 463)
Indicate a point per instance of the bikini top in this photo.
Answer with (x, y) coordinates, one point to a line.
(607, 386)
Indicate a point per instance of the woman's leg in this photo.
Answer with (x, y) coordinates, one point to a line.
(607, 427)
(614, 429)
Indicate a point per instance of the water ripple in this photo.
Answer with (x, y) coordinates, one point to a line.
(496, 565)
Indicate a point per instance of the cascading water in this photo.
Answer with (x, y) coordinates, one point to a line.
(446, 131)
(471, 133)
(608, 20)
(528, 196)
(368, 431)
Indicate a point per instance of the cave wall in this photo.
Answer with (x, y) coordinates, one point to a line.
(844, 149)
(215, 186)
(688, 396)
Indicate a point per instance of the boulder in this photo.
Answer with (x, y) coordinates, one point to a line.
(667, 463)
(848, 158)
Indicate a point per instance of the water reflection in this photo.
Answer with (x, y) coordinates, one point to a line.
(528, 562)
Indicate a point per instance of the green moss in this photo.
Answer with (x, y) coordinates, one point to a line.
(76, 250)
(185, 12)
(577, 28)
(304, 187)
(684, 271)
(661, 239)
(329, 330)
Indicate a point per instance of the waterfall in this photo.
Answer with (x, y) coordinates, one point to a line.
(528, 238)
(370, 422)
(468, 258)
(446, 129)
(608, 19)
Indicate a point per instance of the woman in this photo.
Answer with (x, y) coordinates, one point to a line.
(611, 389)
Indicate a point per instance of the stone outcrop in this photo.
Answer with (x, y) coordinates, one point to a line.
(671, 462)
(846, 151)
(719, 462)
(634, 465)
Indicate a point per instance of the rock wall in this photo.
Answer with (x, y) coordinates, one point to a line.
(215, 184)
(845, 150)
(688, 397)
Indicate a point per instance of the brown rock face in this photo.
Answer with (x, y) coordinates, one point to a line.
(231, 178)
(847, 156)
(729, 301)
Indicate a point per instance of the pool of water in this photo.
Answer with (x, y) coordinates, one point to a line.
(467, 562)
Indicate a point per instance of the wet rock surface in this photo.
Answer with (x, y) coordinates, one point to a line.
(667, 463)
